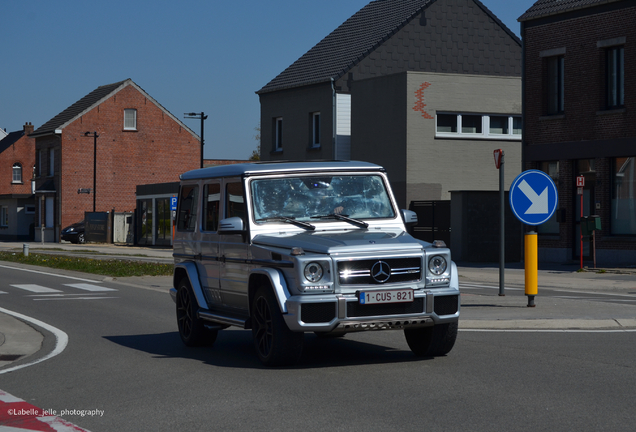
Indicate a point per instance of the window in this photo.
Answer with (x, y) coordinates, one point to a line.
(615, 77)
(478, 126)
(551, 226)
(51, 162)
(17, 173)
(211, 204)
(498, 125)
(447, 123)
(556, 89)
(623, 212)
(4, 216)
(130, 119)
(187, 217)
(29, 209)
(315, 133)
(278, 133)
(234, 201)
(471, 124)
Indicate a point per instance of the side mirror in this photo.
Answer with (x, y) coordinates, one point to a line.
(233, 225)
(409, 217)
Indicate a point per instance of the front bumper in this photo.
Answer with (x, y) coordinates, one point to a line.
(343, 313)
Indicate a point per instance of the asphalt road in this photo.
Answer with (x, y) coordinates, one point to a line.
(125, 357)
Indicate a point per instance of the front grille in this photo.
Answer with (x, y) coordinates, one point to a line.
(311, 313)
(355, 309)
(446, 305)
(386, 271)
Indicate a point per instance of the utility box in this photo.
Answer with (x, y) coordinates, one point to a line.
(589, 224)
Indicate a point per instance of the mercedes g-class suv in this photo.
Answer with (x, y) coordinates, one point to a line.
(294, 247)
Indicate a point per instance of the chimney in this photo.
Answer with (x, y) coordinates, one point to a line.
(28, 128)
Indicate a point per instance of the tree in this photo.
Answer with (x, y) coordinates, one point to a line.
(256, 154)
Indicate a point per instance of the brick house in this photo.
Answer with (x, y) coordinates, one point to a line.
(138, 142)
(17, 209)
(427, 89)
(580, 121)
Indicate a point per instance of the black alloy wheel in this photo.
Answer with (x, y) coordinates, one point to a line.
(191, 329)
(275, 344)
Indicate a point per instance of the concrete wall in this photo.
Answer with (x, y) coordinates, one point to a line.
(436, 166)
(393, 125)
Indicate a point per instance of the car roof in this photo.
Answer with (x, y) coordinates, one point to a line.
(259, 168)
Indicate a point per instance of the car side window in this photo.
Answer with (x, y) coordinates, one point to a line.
(188, 199)
(235, 200)
(211, 205)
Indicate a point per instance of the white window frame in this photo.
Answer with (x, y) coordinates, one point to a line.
(278, 136)
(130, 119)
(485, 133)
(17, 173)
(315, 129)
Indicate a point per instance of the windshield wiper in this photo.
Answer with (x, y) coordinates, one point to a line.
(341, 217)
(293, 221)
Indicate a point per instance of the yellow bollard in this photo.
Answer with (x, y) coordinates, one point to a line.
(531, 266)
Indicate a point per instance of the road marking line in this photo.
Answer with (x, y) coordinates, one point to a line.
(89, 287)
(36, 288)
(74, 298)
(61, 339)
(631, 330)
(50, 274)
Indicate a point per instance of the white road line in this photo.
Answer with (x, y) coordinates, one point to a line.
(61, 340)
(89, 287)
(73, 298)
(630, 330)
(49, 274)
(36, 288)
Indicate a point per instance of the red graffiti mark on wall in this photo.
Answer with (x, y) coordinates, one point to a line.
(419, 105)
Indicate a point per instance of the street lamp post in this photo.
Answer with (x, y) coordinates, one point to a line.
(202, 117)
(95, 136)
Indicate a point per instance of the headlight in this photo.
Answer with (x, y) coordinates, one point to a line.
(437, 265)
(313, 272)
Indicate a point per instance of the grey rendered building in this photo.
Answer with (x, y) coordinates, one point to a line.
(426, 88)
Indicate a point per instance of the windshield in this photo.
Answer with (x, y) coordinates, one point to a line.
(301, 198)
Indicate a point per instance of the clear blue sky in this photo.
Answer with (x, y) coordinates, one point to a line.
(198, 55)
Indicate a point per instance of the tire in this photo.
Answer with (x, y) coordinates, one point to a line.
(80, 238)
(432, 341)
(191, 328)
(275, 344)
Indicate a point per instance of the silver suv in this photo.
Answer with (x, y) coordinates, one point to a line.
(288, 248)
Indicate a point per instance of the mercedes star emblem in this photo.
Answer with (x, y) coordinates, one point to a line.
(381, 272)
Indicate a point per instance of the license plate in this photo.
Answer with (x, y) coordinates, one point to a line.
(388, 296)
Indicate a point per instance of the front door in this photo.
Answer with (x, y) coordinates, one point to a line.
(586, 201)
(233, 249)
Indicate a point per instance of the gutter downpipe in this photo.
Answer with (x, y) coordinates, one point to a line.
(523, 111)
(334, 137)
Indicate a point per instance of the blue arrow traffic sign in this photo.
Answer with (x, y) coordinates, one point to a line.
(533, 197)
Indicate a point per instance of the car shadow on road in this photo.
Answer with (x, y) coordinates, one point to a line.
(235, 349)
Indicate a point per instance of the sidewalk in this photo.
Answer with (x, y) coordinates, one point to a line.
(478, 311)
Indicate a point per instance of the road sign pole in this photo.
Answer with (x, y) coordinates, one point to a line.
(531, 266)
(502, 230)
(581, 231)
